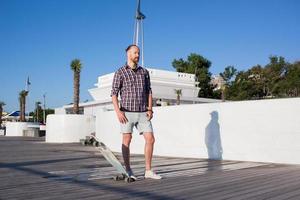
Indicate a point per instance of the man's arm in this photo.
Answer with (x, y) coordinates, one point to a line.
(121, 116)
(116, 85)
(150, 111)
(115, 103)
(150, 102)
(149, 93)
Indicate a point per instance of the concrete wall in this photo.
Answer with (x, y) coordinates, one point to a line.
(94, 109)
(17, 128)
(68, 128)
(60, 111)
(264, 130)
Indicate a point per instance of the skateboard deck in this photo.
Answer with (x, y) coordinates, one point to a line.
(109, 156)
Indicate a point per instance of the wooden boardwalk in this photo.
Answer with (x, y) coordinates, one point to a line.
(33, 169)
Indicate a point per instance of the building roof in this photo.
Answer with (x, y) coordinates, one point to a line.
(14, 114)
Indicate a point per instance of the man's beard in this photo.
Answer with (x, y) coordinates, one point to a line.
(136, 60)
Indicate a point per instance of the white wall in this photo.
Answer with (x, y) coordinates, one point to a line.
(94, 109)
(17, 128)
(68, 128)
(60, 111)
(264, 130)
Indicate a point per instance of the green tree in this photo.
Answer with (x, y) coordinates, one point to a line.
(291, 84)
(250, 84)
(239, 88)
(198, 65)
(227, 76)
(270, 81)
(275, 72)
(38, 112)
(48, 111)
(22, 101)
(257, 77)
(76, 66)
(2, 104)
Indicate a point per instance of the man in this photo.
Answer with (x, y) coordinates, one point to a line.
(133, 83)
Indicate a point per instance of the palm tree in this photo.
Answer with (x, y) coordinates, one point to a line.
(1, 110)
(22, 100)
(178, 93)
(76, 66)
(37, 106)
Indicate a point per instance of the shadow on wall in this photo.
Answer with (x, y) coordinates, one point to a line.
(213, 138)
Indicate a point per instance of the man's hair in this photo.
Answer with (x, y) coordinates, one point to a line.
(130, 46)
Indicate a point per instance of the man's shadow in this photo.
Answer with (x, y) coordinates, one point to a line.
(213, 138)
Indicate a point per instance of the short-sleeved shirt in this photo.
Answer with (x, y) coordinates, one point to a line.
(134, 87)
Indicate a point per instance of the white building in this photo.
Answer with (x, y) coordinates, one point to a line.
(163, 84)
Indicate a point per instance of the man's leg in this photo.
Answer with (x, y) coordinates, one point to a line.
(126, 150)
(149, 143)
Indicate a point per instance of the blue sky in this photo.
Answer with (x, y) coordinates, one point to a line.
(39, 38)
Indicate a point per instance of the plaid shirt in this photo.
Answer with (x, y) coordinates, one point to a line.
(134, 87)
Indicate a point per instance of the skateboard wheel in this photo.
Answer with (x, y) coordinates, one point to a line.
(119, 178)
(95, 143)
(90, 142)
(129, 180)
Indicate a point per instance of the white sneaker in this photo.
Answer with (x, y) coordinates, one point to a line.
(152, 175)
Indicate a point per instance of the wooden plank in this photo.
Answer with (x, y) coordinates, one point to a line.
(26, 165)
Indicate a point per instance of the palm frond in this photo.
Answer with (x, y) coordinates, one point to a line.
(76, 65)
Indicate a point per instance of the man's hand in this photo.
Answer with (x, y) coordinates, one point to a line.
(122, 118)
(149, 114)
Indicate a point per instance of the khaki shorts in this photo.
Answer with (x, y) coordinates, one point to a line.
(139, 120)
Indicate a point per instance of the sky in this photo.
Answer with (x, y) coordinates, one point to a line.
(40, 38)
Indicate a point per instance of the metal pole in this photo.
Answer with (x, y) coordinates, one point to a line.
(37, 112)
(142, 42)
(138, 37)
(134, 33)
(137, 33)
(44, 112)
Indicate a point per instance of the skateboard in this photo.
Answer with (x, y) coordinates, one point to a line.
(109, 156)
